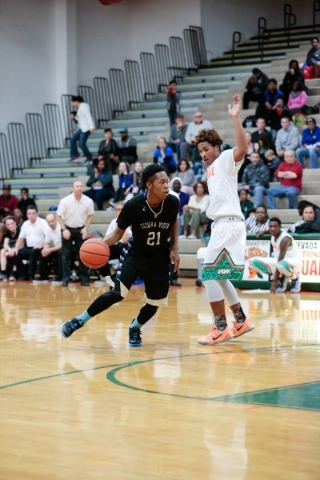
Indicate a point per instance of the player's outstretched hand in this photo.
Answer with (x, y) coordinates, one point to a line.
(234, 109)
(175, 259)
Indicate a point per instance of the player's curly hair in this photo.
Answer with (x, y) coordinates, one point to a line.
(149, 171)
(209, 135)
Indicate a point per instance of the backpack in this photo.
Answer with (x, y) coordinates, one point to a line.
(249, 121)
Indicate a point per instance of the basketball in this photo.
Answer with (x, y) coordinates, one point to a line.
(94, 253)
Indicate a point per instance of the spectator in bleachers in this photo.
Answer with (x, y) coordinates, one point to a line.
(297, 99)
(85, 123)
(289, 173)
(312, 69)
(272, 162)
(176, 187)
(173, 102)
(125, 182)
(275, 116)
(294, 74)
(18, 216)
(264, 144)
(261, 128)
(50, 253)
(74, 214)
(194, 214)
(310, 144)
(271, 95)
(309, 222)
(109, 151)
(136, 180)
(288, 137)
(245, 204)
(9, 258)
(163, 155)
(255, 88)
(177, 134)
(305, 203)
(8, 202)
(186, 175)
(101, 184)
(252, 147)
(188, 146)
(255, 178)
(30, 243)
(25, 201)
(258, 222)
(2, 233)
(127, 146)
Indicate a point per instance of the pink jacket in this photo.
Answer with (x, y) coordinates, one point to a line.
(299, 101)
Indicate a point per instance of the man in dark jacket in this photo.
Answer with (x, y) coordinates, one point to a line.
(255, 179)
(127, 146)
(255, 88)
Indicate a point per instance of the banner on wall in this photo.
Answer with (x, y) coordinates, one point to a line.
(256, 248)
(310, 252)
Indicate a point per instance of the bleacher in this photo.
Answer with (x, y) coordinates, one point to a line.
(208, 89)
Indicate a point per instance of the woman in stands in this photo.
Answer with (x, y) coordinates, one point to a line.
(109, 151)
(194, 214)
(125, 182)
(259, 222)
(294, 74)
(101, 184)
(251, 147)
(297, 98)
(186, 175)
(136, 181)
(163, 155)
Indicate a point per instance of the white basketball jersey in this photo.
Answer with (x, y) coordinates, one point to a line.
(222, 177)
(293, 253)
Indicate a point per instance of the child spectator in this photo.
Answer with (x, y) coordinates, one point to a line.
(173, 102)
(125, 182)
(245, 204)
(25, 202)
(101, 184)
(272, 162)
(163, 155)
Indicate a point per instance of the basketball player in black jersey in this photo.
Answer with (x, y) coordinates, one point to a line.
(153, 218)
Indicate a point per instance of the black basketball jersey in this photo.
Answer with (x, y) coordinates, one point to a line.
(150, 231)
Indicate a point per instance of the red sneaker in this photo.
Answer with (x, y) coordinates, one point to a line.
(216, 336)
(242, 328)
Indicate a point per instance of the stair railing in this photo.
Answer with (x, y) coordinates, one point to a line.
(18, 147)
(290, 20)
(263, 35)
(119, 93)
(236, 40)
(53, 126)
(201, 44)
(179, 64)
(162, 56)
(150, 76)
(316, 9)
(88, 95)
(5, 159)
(134, 83)
(36, 137)
(103, 100)
(192, 49)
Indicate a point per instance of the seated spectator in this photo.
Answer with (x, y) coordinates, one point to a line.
(306, 203)
(173, 101)
(308, 224)
(271, 95)
(252, 147)
(272, 162)
(163, 155)
(8, 202)
(176, 185)
(186, 175)
(289, 173)
(125, 182)
(109, 151)
(2, 233)
(255, 179)
(245, 204)
(311, 68)
(255, 88)
(25, 202)
(9, 259)
(258, 222)
(30, 243)
(194, 213)
(261, 128)
(101, 184)
(297, 98)
(264, 144)
(128, 147)
(177, 134)
(288, 137)
(275, 116)
(189, 147)
(136, 180)
(310, 144)
(294, 74)
(18, 216)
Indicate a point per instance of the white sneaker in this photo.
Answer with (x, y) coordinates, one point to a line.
(11, 279)
(182, 237)
(192, 237)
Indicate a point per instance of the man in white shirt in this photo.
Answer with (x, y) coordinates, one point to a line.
(74, 214)
(30, 243)
(189, 146)
(84, 120)
(51, 249)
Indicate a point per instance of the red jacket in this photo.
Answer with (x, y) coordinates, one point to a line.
(296, 168)
(10, 202)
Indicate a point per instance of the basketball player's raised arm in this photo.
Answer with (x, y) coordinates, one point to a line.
(234, 111)
(114, 237)
(174, 252)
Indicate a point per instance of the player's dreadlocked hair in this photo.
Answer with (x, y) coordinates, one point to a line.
(209, 135)
(149, 171)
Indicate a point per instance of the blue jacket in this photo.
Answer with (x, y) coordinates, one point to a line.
(125, 180)
(272, 98)
(309, 138)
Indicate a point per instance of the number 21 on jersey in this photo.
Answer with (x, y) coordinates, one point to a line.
(152, 240)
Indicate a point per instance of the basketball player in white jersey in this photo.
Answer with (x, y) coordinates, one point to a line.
(286, 259)
(224, 258)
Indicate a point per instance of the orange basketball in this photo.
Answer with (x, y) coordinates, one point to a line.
(94, 253)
